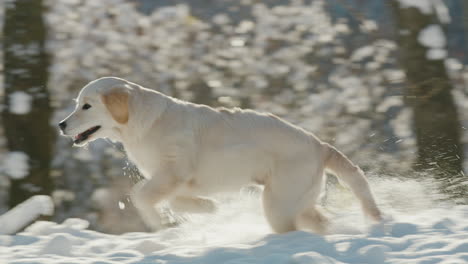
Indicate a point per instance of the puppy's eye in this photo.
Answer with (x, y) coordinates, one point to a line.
(86, 106)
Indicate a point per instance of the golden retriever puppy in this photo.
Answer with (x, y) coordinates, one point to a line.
(188, 151)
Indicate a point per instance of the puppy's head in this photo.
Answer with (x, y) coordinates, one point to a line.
(102, 110)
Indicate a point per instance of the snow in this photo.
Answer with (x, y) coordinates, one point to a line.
(368, 26)
(417, 230)
(453, 64)
(436, 54)
(425, 6)
(362, 53)
(16, 164)
(25, 213)
(237, 42)
(432, 37)
(221, 19)
(389, 102)
(20, 103)
(442, 11)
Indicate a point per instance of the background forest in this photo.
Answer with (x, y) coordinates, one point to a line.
(384, 81)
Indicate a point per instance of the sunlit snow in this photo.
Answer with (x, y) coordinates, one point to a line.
(425, 6)
(20, 103)
(24, 213)
(16, 164)
(432, 37)
(417, 230)
(436, 54)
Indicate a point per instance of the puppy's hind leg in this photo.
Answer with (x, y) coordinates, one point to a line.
(282, 205)
(279, 213)
(313, 219)
(289, 191)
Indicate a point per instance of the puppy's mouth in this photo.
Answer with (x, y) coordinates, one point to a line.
(85, 135)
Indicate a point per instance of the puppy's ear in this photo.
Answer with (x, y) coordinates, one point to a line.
(116, 102)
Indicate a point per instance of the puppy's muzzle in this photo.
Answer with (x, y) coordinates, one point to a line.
(63, 125)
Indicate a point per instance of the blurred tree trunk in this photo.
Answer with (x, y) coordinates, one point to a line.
(465, 26)
(25, 66)
(428, 93)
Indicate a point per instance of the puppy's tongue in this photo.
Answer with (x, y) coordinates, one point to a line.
(84, 135)
(77, 137)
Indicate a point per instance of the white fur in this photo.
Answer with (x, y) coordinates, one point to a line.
(187, 151)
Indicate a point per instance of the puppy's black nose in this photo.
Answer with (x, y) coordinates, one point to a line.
(62, 125)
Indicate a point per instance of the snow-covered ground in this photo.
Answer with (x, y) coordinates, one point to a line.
(418, 230)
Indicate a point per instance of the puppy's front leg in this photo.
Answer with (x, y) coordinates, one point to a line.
(173, 172)
(192, 204)
(147, 194)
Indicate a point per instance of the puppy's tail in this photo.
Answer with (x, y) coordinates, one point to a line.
(354, 177)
